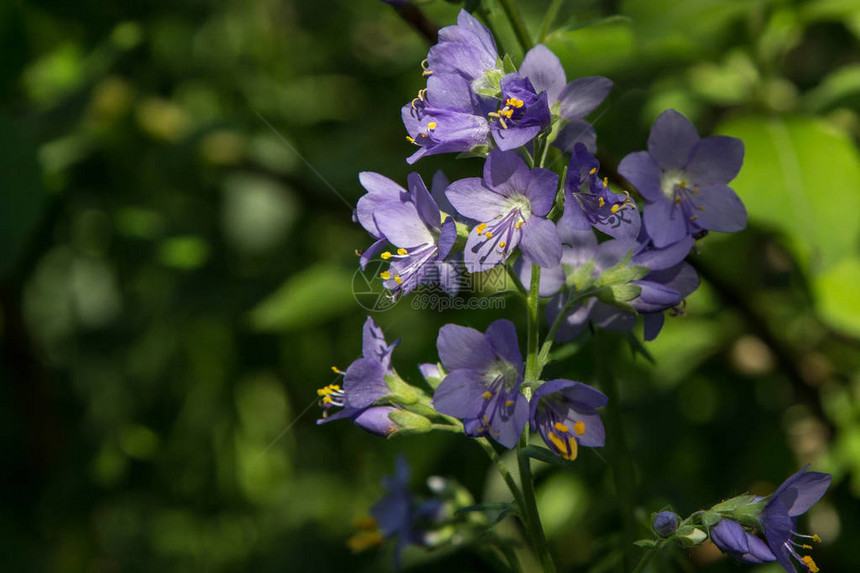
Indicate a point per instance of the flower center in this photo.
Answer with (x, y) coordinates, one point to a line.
(672, 179)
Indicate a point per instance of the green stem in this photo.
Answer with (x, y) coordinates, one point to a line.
(647, 557)
(549, 18)
(532, 331)
(622, 464)
(547, 342)
(513, 276)
(503, 471)
(512, 11)
(510, 556)
(484, 12)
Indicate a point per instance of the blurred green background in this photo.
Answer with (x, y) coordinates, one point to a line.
(177, 266)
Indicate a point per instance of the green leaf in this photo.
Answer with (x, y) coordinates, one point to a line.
(836, 295)
(798, 176)
(309, 297)
(733, 503)
(711, 518)
(645, 543)
(544, 455)
(409, 423)
(841, 87)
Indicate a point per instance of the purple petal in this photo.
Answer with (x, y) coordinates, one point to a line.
(364, 383)
(424, 202)
(582, 95)
(505, 173)
(778, 527)
(371, 251)
(802, 490)
(401, 224)
(729, 536)
(594, 434)
(540, 243)
(577, 131)
(715, 159)
(551, 280)
(376, 421)
(672, 139)
(463, 347)
(759, 552)
(380, 190)
(541, 190)
(664, 222)
(720, 209)
(429, 370)
(449, 91)
(609, 253)
(437, 191)
(514, 136)
(447, 237)
(373, 345)
(459, 394)
(643, 173)
(544, 70)
(473, 200)
(507, 432)
(653, 324)
(658, 259)
(502, 336)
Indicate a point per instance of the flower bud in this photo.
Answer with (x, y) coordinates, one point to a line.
(665, 523)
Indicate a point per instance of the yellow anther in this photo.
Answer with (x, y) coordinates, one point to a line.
(336, 370)
(503, 244)
(402, 252)
(507, 113)
(326, 400)
(397, 279)
(480, 228)
(502, 123)
(509, 403)
(601, 202)
(422, 134)
(815, 538)
(518, 225)
(682, 184)
(561, 427)
(606, 181)
(696, 190)
(810, 564)
(579, 428)
(489, 235)
(806, 546)
(413, 102)
(701, 208)
(593, 171)
(385, 275)
(427, 73)
(678, 200)
(386, 255)
(615, 207)
(694, 217)
(514, 102)
(486, 395)
(431, 126)
(330, 389)
(410, 139)
(567, 449)
(364, 540)
(486, 420)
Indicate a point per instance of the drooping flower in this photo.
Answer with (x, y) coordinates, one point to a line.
(466, 49)
(572, 101)
(511, 202)
(684, 180)
(380, 190)
(422, 239)
(482, 387)
(779, 517)
(522, 113)
(563, 413)
(588, 201)
(363, 384)
(732, 539)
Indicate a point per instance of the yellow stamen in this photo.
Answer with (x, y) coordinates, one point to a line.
(508, 113)
(694, 217)
(615, 208)
(806, 546)
(431, 126)
(579, 428)
(593, 171)
(601, 202)
(364, 540)
(509, 403)
(815, 538)
(606, 181)
(678, 200)
(701, 208)
(480, 228)
(427, 73)
(810, 564)
(410, 139)
(503, 124)
(489, 235)
(518, 225)
(386, 255)
(402, 252)
(503, 244)
(561, 427)
(567, 449)
(486, 395)
(330, 389)
(336, 370)
(397, 279)
(514, 102)
(385, 275)
(696, 190)
(326, 400)
(682, 184)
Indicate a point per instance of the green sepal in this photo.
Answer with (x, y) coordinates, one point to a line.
(481, 151)
(508, 65)
(580, 277)
(636, 347)
(618, 296)
(645, 543)
(433, 381)
(711, 518)
(409, 423)
(401, 392)
(689, 536)
(734, 503)
(490, 84)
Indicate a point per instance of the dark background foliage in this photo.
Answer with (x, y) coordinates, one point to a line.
(177, 276)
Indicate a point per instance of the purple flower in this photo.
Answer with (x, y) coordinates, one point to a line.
(466, 49)
(732, 539)
(588, 201)
(511, 202)
(446, 117)
(779, 517)
(684, 180)
(665, 523)
(412, 222)
(562, 412)
(522, 113)
(363, 384)
(574, 100)
(482, 387)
